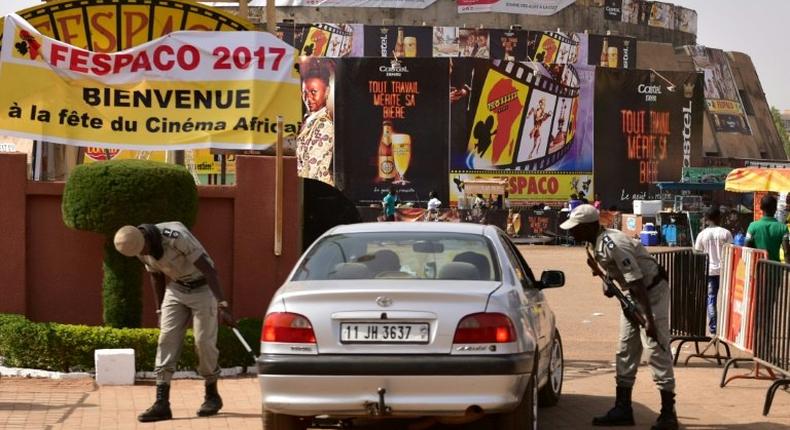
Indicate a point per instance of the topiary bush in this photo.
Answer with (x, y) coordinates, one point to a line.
(102, 197)
(65, 347)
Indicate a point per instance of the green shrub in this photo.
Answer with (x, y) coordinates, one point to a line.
(103, 197)
(65, 347)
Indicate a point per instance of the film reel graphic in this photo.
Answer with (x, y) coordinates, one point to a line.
(115, 25)
(525, 117)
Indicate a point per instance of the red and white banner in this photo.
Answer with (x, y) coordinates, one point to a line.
(401, 4)
(737, 292)
(525, 7)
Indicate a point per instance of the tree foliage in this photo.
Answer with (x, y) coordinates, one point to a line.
(783, 132)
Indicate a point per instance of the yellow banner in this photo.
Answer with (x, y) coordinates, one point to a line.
(186, 90)
(538, 187)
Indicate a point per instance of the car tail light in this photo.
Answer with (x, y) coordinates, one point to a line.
(288, 328)
(485, 328)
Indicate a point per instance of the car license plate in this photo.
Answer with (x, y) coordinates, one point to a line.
(384, 332)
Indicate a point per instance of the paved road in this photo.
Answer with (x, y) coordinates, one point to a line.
(587, 320)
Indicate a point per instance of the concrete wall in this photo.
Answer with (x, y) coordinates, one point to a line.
(52, 273)
(581, 16)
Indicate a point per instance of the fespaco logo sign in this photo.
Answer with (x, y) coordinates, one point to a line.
(115, 25)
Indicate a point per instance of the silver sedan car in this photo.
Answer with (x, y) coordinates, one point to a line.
(440, 321)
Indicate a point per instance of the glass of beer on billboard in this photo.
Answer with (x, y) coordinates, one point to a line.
(401, 151)
(410, 46)
(614, 56)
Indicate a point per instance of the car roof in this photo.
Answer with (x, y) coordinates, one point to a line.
(429, 227)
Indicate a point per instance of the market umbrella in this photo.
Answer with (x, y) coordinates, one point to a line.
(750, 179)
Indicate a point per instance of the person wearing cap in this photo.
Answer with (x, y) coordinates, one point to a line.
(185, 285)
(629, 265)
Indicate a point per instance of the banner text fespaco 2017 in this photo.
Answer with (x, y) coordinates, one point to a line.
(164, 58)
(183, 91)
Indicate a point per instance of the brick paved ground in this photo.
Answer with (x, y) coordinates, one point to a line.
(588, 323)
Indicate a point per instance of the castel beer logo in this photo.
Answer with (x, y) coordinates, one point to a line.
(384, 44)
(395, 69)
(649, 90)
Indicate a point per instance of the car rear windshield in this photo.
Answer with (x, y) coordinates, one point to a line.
(446, 256)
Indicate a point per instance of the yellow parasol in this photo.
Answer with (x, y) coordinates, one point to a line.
(750, 179)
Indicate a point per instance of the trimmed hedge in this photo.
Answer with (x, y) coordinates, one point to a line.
(103, 197)
(64, 347)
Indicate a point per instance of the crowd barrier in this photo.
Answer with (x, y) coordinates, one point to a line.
(687, 272)
(772, 324)
(754, 314)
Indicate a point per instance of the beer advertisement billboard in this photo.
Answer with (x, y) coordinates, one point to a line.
(646, 130)
(721, 91)
(613, 10)
(617, 52)
(510, 119)
(398, 41)
(392, 127)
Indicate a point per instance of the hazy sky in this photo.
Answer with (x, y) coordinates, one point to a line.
(753, 27)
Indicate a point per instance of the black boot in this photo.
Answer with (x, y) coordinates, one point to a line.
(621, 414)
(212, 403)
(668, 420)
(160, 410)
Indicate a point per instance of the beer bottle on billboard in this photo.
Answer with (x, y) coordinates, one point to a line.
(605, 53)
(386, 161)
(400, 50)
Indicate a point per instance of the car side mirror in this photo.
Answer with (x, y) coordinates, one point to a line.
(552, 279)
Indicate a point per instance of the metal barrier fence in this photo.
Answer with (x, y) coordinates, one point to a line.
(772, 323)
(688, 276)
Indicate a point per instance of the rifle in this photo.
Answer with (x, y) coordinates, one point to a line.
(630, 310)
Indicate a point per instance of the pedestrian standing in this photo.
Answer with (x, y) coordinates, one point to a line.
(768, 233)
(574, 202)
(186, 286)
(389, 203)
(636, 272)
(433, 206)
(711, 241)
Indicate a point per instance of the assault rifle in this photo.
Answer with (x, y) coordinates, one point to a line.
(630, 310)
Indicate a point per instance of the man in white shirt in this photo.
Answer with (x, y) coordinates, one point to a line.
(711, 241)
(433, 207)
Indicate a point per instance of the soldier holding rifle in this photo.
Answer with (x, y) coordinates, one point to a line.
(624, 262)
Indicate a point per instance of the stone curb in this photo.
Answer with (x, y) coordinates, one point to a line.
(47, 374)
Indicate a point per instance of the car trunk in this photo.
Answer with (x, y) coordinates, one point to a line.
(386, 316)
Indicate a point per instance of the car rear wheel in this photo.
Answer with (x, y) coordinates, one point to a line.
(272, 421)
(525, 416)
(549, 394)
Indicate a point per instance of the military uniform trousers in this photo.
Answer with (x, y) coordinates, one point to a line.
(179, 304)
(632, 337)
